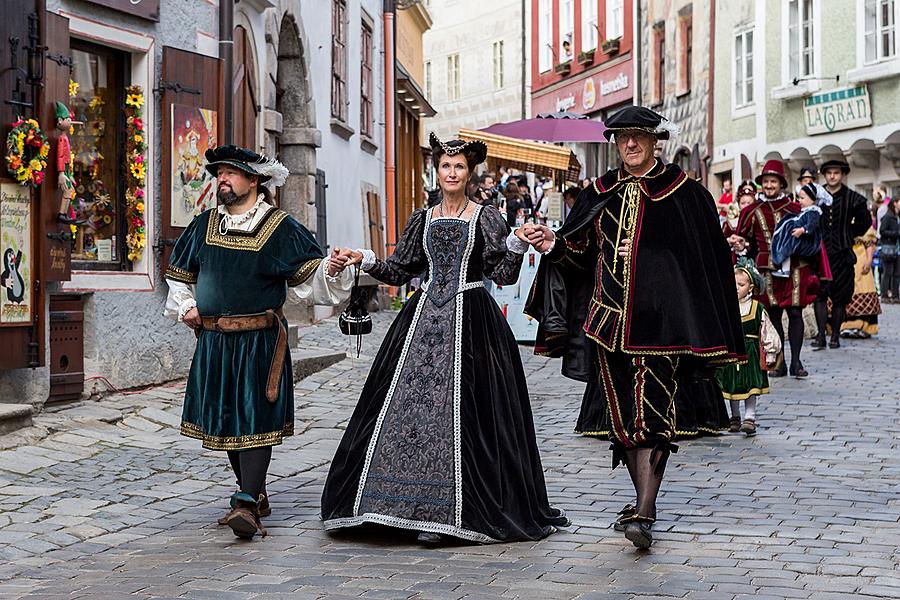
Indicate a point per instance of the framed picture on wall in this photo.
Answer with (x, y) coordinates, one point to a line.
(193, 188)
(16, 275)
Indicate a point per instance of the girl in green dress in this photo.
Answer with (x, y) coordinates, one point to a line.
(746, 382)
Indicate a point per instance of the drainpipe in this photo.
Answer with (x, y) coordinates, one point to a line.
(524, 38)
(710, 96)
(636, 42)
(390, 158)
(226, 53)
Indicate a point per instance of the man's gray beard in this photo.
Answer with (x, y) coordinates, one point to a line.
(229, 198)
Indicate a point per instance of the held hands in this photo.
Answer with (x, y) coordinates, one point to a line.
(192, 318)
(341, 258)
(540, 237)
(737, 243)
(866, 268)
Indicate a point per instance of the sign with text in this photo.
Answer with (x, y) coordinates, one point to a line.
(587, 94)
(836, 110)
(145, 9)
(15, 245)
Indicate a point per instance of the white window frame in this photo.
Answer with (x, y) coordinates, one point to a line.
(878, 32)
(788, 90)
(566, 30)
(545, 36)
(615, 19)
(453, 79)
(886, 66)
(498, 64)
(429, 81)
(744, 108)
(589, 31)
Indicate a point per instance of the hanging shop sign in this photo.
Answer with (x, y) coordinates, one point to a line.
(145, 9)
(600, 89)
(836, 110)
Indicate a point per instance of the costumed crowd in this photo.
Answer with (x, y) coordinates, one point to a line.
(664, 304)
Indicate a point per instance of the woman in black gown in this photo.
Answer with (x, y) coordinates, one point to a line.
(442, 440)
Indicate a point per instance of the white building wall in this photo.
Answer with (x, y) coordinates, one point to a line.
(470, 28)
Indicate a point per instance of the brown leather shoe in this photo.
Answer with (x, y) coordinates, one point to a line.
(264, 510)
(749, 427)
(734, 425)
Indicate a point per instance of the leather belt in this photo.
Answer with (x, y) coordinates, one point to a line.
(265, 320)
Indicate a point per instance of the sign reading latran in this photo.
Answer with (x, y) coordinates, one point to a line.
(835, 110)
(145, 9)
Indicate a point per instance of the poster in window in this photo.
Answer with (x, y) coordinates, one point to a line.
(193, 188)
(15, 243)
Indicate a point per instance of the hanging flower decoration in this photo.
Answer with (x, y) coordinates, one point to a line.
(27, 149)
(73, 88)
(135, 147)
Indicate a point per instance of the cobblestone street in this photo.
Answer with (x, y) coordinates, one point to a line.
(112, 502)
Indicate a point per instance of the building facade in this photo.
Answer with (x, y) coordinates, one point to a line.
(582, 61)
(806, 81)
(307, 85)
(676, 77)
(476, 64)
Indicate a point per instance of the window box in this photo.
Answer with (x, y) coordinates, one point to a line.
(610, 47)
(563, 68)
(586, 57)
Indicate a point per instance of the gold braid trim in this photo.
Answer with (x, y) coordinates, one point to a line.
(304, 272)
(177, 274)
(251, 242)
(243, 442)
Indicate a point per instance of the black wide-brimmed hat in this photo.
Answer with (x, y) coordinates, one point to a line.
(807, 172)
(835, 163)
(269, 170)
(475, 151)
(641, 118)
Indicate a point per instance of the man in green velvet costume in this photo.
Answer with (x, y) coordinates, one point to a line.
(228, 278)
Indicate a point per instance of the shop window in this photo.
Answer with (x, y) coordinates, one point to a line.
(98, 148)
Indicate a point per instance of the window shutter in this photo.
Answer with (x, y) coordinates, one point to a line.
(192, 80)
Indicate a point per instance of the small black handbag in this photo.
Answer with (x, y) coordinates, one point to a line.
(355, 320)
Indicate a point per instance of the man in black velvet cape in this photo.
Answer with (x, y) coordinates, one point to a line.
(637, 289)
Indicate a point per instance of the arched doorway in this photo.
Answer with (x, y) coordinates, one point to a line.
(297, 142)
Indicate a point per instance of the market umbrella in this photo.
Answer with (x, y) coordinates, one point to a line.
(552, 127)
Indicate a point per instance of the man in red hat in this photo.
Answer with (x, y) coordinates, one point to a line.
(755, 227)
(843, 221)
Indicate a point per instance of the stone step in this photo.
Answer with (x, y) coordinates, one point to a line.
(309, 360)
(14, 416)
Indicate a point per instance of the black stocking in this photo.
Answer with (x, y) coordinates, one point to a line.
(649, 465)
(795, 333)
(234, 457)
(821, 310)
(630, 459)
(837, 317)
(254, 466)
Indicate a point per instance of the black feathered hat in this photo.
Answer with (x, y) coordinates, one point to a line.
(270, 171)
(642, 118)
(475, 151)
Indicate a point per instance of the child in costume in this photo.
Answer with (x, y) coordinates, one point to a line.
(800, 235)
(746, 382)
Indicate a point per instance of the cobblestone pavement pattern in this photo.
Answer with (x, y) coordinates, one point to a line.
(114, 503)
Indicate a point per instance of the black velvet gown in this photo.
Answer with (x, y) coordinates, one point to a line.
(442, 439)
